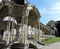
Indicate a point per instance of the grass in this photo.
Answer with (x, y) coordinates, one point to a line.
(51, 40)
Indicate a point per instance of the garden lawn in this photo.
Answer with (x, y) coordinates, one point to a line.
(51, 40)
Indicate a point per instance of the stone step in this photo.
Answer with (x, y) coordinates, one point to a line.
(35, 43)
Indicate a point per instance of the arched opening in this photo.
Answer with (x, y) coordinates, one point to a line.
(32, 18)
(2, 32)
(3, 13)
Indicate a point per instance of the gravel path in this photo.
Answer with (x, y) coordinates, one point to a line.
(53, 46)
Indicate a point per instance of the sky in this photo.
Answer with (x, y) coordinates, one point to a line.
(49, 9)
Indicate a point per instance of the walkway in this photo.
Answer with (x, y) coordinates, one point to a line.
(52, 46)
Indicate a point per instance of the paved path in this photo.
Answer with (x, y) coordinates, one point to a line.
(52, 46)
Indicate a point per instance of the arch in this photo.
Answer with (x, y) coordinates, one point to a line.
(32, 18)
(3, 13)
(9, 18)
